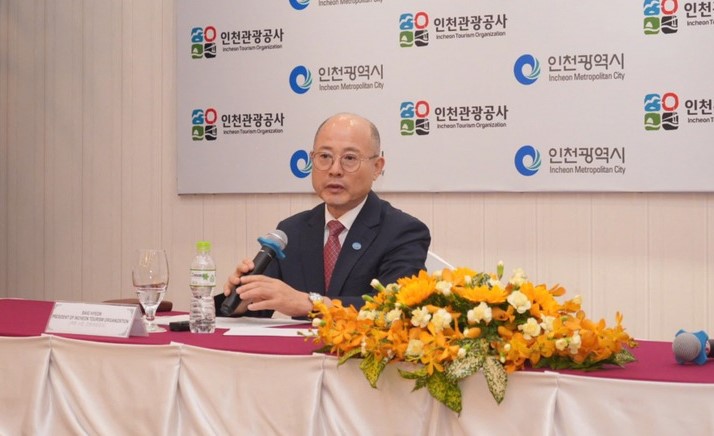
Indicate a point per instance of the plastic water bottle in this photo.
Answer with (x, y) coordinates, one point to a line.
(203, 280)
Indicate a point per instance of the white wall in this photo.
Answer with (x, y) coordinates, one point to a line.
(88, 173)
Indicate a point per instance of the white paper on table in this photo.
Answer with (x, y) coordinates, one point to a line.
(165, 320)
(235, 323)
(266, 331)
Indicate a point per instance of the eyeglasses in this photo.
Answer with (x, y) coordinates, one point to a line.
(350, 162)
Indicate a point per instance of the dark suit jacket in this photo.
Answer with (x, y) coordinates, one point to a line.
(383, 243)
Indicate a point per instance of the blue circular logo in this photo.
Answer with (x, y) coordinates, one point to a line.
(300, 164)
(533, 66)
(303, 85)
(299, 5)
(530, 154)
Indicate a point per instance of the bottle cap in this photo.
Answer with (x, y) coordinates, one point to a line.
(203, 246)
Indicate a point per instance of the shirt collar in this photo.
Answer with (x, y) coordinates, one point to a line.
(348, 218)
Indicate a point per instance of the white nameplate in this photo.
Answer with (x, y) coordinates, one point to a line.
(115, 320)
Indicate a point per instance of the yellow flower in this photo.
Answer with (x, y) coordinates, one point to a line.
(495, 295)
(413, 321)
(458, 276)
(415, 289)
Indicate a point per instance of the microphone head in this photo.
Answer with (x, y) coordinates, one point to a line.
(276, 241)
(278, 237)
(690, 347)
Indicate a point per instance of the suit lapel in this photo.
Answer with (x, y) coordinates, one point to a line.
(312, 239)
(359, 238)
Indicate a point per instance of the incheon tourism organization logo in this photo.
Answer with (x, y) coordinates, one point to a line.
(661, 111)
(414, 118)
(660, 16)
(203, 42)
(203, 124)
(413, 30)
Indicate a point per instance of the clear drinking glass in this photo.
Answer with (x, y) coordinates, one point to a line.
(150, 275)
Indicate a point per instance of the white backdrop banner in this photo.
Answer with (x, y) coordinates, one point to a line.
(468, 96)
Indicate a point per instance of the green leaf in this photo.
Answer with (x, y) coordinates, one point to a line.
(413, 375)
(420, 383)
(464, 367)
(420, 375)
(372, 369)
(445, 391)
(623, 357)
(325, 349)
(348, 355)
(496, 378)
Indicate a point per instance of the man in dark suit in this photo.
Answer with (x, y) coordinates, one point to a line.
(376, 240)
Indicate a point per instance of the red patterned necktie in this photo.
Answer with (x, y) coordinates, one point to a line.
(332, 249)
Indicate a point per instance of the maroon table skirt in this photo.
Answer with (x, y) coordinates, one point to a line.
(655, 360)
(30, 317)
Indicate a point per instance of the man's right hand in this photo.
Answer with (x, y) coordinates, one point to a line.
(242, 269)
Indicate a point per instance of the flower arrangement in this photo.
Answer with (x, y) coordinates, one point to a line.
(455, 323)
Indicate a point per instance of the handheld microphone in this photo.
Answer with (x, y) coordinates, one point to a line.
(693, 347)
(271, 246)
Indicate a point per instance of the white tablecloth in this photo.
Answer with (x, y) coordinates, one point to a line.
(57, 386)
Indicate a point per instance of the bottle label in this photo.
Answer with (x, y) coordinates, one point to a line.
(202, 277)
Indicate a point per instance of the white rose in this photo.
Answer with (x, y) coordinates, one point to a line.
(415, 348)
(444, 287)
(518, 277)
(519, 301)
(393, 315)
(420, 317)
(367, 314)
(482, 312)
(561, 344)
(547, 323)
(441, 319)
(530, 329)
(575, 342)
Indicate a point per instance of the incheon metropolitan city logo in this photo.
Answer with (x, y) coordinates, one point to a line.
(527, 160)
(526, 69)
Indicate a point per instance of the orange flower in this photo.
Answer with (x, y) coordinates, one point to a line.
(504, 332)
(458, 276)
(503, 315)
(415, 289)
(472, 333)
(478, 294)
(549, 333)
